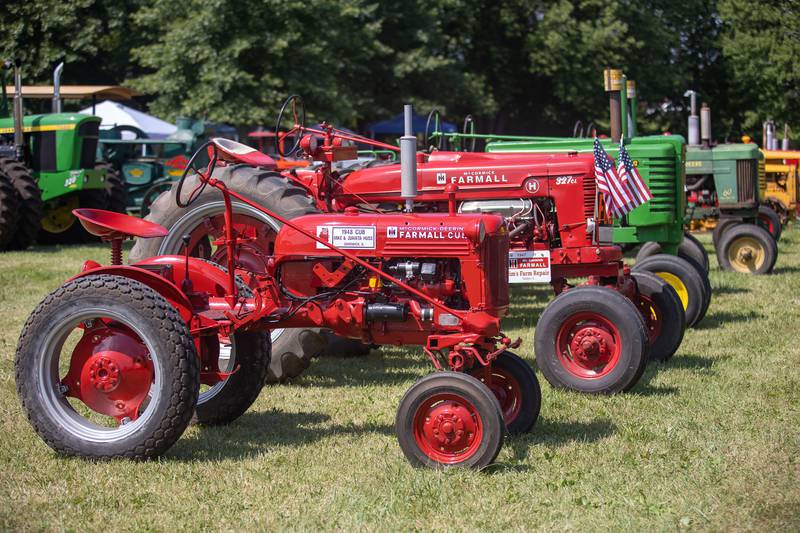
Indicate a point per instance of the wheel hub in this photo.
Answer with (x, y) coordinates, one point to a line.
(110, 371)
(449, 427)
(589, 346)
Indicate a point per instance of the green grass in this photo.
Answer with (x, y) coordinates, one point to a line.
(708, 441)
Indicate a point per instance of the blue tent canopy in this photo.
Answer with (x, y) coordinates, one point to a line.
(394, 126)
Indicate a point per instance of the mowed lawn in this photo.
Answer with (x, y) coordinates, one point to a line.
(710, 440)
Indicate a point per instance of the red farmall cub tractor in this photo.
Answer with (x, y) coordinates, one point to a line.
(120, 359)
(593, 337)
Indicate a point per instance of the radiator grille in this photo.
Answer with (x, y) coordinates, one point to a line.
(762, 176)
(589, 193)
(411, 249)
(661, 181)
(746, 179)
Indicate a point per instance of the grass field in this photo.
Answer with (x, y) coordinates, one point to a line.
(708, 441)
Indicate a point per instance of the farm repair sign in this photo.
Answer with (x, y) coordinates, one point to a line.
(529, 267)
(352, 237)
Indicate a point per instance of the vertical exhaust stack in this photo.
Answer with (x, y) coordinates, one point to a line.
(56, 108)
(694, 120)
(769, 135)
(633, 108)
(705, 124)
(19, 139)
(408, 160)
(612, 79)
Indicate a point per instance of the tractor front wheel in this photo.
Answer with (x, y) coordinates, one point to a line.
(770, 221)
(685, 278)
(591, 339)
(449, 419)
(106, 367)
(748, 249)
(663, 315)
(514, 384)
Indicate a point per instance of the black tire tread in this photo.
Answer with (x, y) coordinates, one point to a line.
(30, 205)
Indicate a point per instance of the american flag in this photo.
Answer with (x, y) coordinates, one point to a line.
(617, 198)
(631, 178)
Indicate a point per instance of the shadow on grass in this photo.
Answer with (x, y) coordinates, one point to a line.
(718, 318)
(256, 433)
(718, 291)
(386, 366)
(786, 270)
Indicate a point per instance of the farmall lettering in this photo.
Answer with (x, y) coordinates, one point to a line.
(529, 266)
(425, 232)
(477, 177)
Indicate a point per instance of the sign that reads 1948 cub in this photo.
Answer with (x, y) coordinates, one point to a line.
(347, 236)
(529, 267)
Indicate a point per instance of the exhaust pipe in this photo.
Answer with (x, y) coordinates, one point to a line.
(408, 160)
(785, 142)
(769, 141)
(694, 120)
(705, 124)
(612, 79)
(56, 108)
(19, 139)
(633, 105)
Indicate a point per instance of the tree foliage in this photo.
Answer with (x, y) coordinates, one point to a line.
(532, 66)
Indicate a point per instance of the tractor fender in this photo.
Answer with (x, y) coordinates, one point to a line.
(206, 276)
(161, 285)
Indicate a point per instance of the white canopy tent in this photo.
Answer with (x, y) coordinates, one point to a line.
(116, 114)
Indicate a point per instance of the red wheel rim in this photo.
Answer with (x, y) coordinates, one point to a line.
(505, 388)
(256, 240)
(767, 221)
(448, 428)
(652, 317)
(588, 345)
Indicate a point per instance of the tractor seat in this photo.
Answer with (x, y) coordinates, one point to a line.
(110, 225)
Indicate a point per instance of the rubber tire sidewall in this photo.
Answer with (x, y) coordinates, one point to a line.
(618, 310)
(673, 320)
(692, 248)
(159, 322)
(689, 276)
(765, 238)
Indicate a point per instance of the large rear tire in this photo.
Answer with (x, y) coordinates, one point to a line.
(29, 198)
(591, 339)
(9, 210)
(116, 192)
(292, 349)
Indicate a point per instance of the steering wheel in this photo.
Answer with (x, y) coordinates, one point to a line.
(437, 120)
(203, 150)
(469, 129)
(299, 124)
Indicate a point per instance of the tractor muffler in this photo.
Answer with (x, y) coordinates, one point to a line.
(19, 139)
(408, 160)
(56, 107)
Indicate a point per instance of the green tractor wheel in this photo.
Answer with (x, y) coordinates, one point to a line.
(30, 203)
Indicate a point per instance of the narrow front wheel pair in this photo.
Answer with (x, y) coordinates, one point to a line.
(687, 278)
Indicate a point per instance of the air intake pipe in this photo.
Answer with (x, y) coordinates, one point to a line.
(612, 80)
(633, 108)
(705, 124)
(56, 107)
(785, 142)
(408, 160)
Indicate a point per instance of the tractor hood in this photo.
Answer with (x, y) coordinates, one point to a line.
(475, 175)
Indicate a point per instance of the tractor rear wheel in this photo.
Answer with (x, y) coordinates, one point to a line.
(116, 193)
(770, 221)
(748, 249)
(515, 386)
(9, 210)
(106, 367)
(663, 315)
(203, 221)
(685, 279)
(591, 339)
(30, 203)
(449, 419)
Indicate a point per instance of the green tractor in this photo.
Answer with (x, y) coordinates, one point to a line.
(658, 225)
(50, 158)
(150, 166)
(723, 184)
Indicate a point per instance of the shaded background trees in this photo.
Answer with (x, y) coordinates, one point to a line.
(527, 66)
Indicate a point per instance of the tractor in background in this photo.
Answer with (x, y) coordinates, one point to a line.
(50, 158)
(658, 226)
(780, 189)
(722, 187)
(151, 166)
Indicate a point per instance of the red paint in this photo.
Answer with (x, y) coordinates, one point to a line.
(448, 428)
(588, 345)
(110, 225)
(505, 388)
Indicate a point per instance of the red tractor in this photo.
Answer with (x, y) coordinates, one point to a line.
(593, 337)
(120, 359)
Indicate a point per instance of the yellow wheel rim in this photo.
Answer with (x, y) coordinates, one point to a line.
(746, 254)
(676, 283)
(58, 216)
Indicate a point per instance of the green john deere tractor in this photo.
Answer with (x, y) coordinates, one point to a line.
(723, 184)
(51, 160)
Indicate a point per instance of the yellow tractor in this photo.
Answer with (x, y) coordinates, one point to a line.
(780, 189)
